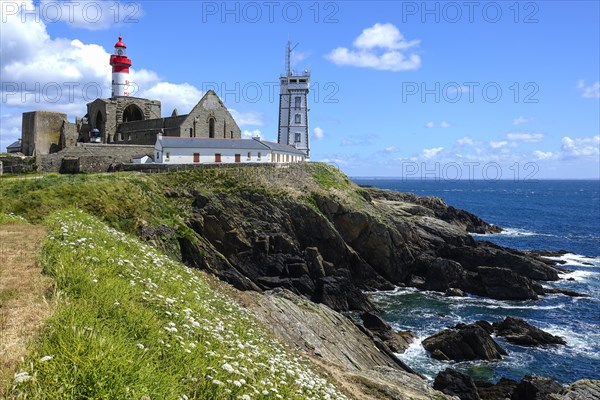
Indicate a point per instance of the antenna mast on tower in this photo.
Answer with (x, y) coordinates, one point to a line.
(288, 58)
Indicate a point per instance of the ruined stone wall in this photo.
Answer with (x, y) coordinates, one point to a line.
(197, 122)
(111, 113)
(41, 132)
(89, 157)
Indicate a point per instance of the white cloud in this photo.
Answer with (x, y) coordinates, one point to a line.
(380, 47)
(390, 150)
(525, 137)
(430, 153)
(580, 147)
(498, 144)
(442, 124)
(252, 134)
(319, 133)
(249, 118)
(181, 96)
(543, 155)
(591, 92)
(521, 120)
(465, 141)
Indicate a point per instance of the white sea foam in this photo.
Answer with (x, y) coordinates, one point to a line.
(511, 232)
(578, 275)
(577, 260)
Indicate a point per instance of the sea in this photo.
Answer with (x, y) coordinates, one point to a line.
(541, 215)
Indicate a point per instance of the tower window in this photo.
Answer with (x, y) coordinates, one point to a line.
(298, 139)
(297, 119)
(297, 101)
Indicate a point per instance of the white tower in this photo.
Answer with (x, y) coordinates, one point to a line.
(293, 106)
(120, 70)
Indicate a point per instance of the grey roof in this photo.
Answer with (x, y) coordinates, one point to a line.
(15, 145)
(282, 147)
(254, 144)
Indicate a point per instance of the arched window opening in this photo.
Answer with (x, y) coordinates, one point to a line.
(211, 128)
(132, 113)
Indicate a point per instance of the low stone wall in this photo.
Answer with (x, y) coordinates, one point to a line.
(89, 158)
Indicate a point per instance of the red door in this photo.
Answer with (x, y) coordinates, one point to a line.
(217, 157)
(238, 158)
(196, 157)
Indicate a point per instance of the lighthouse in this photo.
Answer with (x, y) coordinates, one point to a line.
(293, 106)
(120, 70)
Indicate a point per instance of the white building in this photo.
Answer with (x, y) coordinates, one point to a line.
(178, 150)
(293, 107)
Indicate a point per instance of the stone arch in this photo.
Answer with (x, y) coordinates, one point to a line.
(100, 123)
(132, 113)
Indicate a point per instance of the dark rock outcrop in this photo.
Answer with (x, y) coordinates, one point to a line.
(397, 341)
(501, 390)
(536, 388)
(454, 383)
(464, 342)
(518, 331)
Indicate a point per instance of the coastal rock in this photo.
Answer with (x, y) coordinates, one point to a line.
(501, 390)
(584, 389)
(566, 292)
(337, 346)
(502, 284)
(398, 342)
(518, 331)
(331, 249)
(464, 342)
(536, 388)
(454, 292)
(454, 383)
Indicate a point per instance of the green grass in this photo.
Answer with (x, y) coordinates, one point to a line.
(11, 218)
(134, 324)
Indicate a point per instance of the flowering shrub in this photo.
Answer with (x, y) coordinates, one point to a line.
(134, 324)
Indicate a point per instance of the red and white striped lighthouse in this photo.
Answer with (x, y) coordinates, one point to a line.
(120, 70)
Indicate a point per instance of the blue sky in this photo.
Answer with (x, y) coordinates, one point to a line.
(445, 90)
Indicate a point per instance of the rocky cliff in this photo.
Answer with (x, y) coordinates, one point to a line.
(330, 242)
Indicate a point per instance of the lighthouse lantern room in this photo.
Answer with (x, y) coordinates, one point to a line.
(120, 70)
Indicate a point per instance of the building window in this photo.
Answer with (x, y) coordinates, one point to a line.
(217, 157)
(297, 102)
(211, 128)
(191, 132)
(231, 133)
(297, 119)
(297, 138)
(258, 157)
(249, 156)
(157, 156)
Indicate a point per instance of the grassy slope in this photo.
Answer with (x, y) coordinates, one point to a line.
(132, 323)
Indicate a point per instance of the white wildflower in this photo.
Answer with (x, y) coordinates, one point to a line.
(227, 367)
(46, 358)
(22, 377)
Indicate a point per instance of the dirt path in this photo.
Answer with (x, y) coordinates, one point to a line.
(23, 295)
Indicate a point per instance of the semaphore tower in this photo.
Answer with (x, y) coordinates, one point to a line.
(293, 106)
